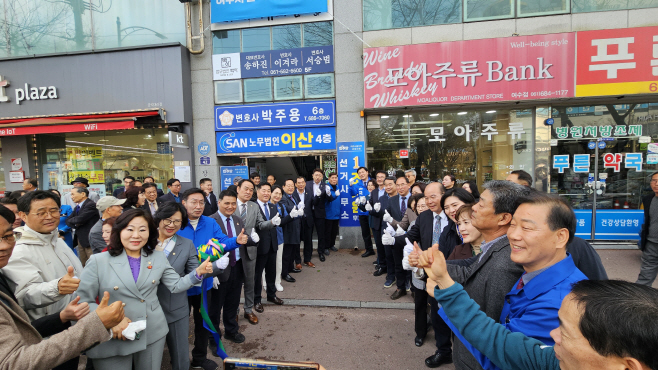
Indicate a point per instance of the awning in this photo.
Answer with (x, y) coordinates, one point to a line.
(72, 123)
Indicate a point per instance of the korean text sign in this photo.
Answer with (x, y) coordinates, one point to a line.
(350, 156)
(317, 59)
(512, 68)
(276, 115)
(229, 173)
(282, 140)
(235, 10)
(617, 62)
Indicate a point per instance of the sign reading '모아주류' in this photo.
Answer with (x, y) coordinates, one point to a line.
(512, 68)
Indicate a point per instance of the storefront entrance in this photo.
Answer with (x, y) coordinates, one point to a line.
(602, 157)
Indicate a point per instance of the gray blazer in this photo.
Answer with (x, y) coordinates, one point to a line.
(486, 281)
(253, 219)
(183, 258)
(104, 272)
(96, 241)
(237, 221)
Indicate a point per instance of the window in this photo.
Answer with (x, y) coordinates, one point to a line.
(288, 36)
(580, 6)
(256, 39)
(228, 91)
(257, 90)
(319, 86)
(479, 10)
(529, 8)
(225, 42)
(318, 34)
(287, 88)
(385, 14)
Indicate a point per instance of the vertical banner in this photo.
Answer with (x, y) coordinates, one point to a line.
(350, 156)
(229, 173)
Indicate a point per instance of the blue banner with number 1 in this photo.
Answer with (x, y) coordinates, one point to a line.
(350, 156)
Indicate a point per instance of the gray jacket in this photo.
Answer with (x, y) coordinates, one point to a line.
(183, 258)
(103, 272)
(486, 281)
(253, 219)
(96, 241)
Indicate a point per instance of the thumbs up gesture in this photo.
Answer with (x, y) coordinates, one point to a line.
(399, 231)
(111, 315)
(387, 217)
(353, 181)
(337, 192)
(74, 311)
(328, 190)
(318, 192)
(408, 248)
(242, 238)
(377, 207)
(368, 207)
(68, 283)
(414, 256)
(205, 267)
(276, 220)
(254, 236)
(300, 208)
(223, 261)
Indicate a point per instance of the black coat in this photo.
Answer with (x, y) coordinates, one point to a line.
(268, 238)
(586, 259)
(384, 202)
(146, 207)
(449, 238)
(375, 218)
(646, 201)
(211, 206)
(292, 230)
(314, 206)
(82, 221)
(422, 232)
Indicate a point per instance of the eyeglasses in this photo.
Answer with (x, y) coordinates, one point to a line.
(9, 239)
(54, 213)
(195, 203)
(654, 181)
(168, 222)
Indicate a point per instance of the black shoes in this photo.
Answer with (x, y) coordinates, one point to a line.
(322, 257)
(289, 278)
(296, 270)
(258, 307)
(334, 249)
(235, 338)
(438, 359)
(368, 253)
(205, 365)
(326, 252)
(380, 271)
(398, 293)
(275, 300)
(419, 341)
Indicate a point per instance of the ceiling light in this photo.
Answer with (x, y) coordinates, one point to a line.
(103, 140)
(148, 135)
(384, 116)
(407, 115)
(434, 114)
(490, 111)
(462, 113)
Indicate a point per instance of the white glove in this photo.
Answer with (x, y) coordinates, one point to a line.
(405, 263)
(337, 192)
(387, 239)
(353, 181)
(387, 217)
(293, 213)
(300, 208)
(368, 207)
(408, 248)
(399, 231)
(133, 328)
(215, 283)
(222, 262)
(276, 220)
(328, 190)
(390, 230)
(360, 201)
(254, 236)
(318, 192)
(377, 207)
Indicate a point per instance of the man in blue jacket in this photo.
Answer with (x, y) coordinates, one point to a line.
(332, 210)
(359, 188)
(200, 229)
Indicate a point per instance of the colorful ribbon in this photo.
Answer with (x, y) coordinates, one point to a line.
(215, 251)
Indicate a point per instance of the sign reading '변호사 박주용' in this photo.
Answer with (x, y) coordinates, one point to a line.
(276, 115)
(502, 69)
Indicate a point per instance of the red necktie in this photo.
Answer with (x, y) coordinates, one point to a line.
(521, 283)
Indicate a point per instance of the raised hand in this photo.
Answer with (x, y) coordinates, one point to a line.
(390, 230)
(68, 283)
(318, 192)
(242, 239)
(74, 311)
(300, 207)
(276, 220)
(223, 261)
(377, 207)
(254, 236)
(111, 315)
(353, 181)
(368, 207)
(205, 267)
(293, 213)
(408, 248)
(387, 239)
(399, 231)
(414, 256)
(337, 192)
(387, 217)
(328, 190)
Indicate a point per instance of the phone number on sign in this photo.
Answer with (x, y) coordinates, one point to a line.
(541, 93)
(317, 118)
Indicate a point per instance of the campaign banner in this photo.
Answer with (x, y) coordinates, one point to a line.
(314, 59)
(282, 140)
(350, 156)
(228, 173)
(501, 69)
(617, 62)
(235, 10)
(276, 115)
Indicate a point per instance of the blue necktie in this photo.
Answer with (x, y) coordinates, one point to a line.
(403, 208)
(267, 212)
(77, 209)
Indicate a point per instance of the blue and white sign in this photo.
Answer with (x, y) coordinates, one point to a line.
(611, 224)
(591, 145)
(228, 173)
(283, 140)
(315, 59)
(275, 115)
(204, 161)
(602, 144)
(203, 148)
(235, 10)
(350, 156)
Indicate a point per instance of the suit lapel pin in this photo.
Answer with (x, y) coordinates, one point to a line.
(149, 266)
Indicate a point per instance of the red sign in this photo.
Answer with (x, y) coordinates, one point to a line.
(617, 62)
(77, 127)
(512, 68)
(404, 153)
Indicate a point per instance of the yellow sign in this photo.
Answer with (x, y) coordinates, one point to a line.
(86, 162)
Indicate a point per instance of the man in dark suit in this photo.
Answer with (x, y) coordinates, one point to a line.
(649, 237)
(210, 209)
(227, 296)
(395, 210)
(153, 203)
(150, 179)
(127, 181)
(376, 223)
(174, 191)
(82, 219)
(267, 247)
(377, 210)
(300, 195)
(314, 210)
(291, 233)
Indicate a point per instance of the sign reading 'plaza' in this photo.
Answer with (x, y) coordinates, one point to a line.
(27, 93)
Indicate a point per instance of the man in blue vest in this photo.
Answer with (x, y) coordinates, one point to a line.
(359, 188)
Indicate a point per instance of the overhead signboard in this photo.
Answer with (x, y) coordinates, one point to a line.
(282, 140)
(236, 10)
(275, 115)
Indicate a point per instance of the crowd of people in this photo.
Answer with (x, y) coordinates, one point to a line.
(498, 275)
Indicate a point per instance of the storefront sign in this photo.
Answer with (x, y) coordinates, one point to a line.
(86, 162)
(605, 131)
(276, 115)
(581, 162)
(652, 158)
(179, 140)
(16, 176)
(513, 68)
(350, 156)
(404, 153)
(318, 59)
(617, 62)
(229, 173)
(283, 140)
(35, 93)
(611, 224)
(234, 10)
(77, 127)
(226, 66)
(17, 164)
(652, 148)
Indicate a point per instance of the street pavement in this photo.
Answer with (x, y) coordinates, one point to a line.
(341, 316)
